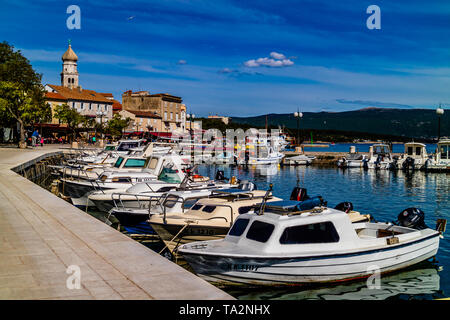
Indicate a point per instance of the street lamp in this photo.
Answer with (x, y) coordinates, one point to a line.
(101, 114)
(439, 112)
(298, 115)
(191, 118)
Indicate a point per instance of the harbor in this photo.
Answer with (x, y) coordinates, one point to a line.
(97, 238)
(223, 159)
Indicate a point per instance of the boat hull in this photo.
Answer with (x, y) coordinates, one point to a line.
(229, 270)
(170, 234)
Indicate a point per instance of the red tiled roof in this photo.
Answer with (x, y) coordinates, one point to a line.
(54, 96)
(80, 94)
(108, 95)
(144, 114)
(117, 106)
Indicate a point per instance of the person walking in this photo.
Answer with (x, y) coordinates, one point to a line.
(34, 137)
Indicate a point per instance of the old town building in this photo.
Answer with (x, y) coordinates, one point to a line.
(170, 108)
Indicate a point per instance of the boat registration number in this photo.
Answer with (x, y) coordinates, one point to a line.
(242, 267)
(195, 231)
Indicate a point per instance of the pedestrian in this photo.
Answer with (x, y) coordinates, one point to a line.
(41, 140)
(34, 137)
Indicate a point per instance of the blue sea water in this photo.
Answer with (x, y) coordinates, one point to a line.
(361, 147)
(383, 194)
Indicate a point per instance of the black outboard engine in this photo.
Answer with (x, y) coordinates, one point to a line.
(408, 163)
(344, 206)
(299, 194)
(412, 218)
(220, 175)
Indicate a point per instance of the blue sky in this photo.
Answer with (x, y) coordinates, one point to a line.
(242, 58)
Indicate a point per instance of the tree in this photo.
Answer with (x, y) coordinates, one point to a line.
(116, 125)
(21, 91)
(70, 116)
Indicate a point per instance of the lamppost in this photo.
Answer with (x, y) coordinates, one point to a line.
(101, 114)
(298, 115)
(191, 118)
(439, 112)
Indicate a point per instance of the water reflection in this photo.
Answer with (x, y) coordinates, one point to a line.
(421, 282)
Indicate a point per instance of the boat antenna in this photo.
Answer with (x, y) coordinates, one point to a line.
(266, 196)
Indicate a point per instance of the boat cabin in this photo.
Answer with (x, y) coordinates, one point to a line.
(284, 229)
(381, 149)
(126, 145)
(443, 151)
(415, 150)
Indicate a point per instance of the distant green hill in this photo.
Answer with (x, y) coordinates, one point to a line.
(414, 123)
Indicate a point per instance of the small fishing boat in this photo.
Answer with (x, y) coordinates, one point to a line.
(414, 157)
(441, 160)
(379, 157)
(352, 160)
(281, 244)
(299, 160)
(209, 218)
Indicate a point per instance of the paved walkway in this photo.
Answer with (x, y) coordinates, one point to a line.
(42, 235)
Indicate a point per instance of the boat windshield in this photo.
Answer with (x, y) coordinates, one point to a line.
(239, 227)
(444, 152)
(118, 162)
(169, 175)
(125, 146)
(109, 148)
(134, 163)
(260, 231)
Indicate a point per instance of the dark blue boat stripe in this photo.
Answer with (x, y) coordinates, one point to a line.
(339, 264)
(336, 274)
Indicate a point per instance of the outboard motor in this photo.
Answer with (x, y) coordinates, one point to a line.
(412, 218)
(344, 206)
(408, 163)
(299, 194)
(220, 175)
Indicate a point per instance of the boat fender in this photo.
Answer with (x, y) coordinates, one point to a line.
(311, 203)
(344, 206)
(412, 218)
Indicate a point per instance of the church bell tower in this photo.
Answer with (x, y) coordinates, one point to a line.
(69, 74)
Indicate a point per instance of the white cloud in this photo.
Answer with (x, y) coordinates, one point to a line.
(182, 62)
(276, 60)
(278, 56)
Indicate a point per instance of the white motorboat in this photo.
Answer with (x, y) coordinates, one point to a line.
(137, 195)
(441, 160)
(145, 205)
(379, 157)
(167, 168)
(285, 245)
(414, 157)
(352, 160)
(299, 160)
